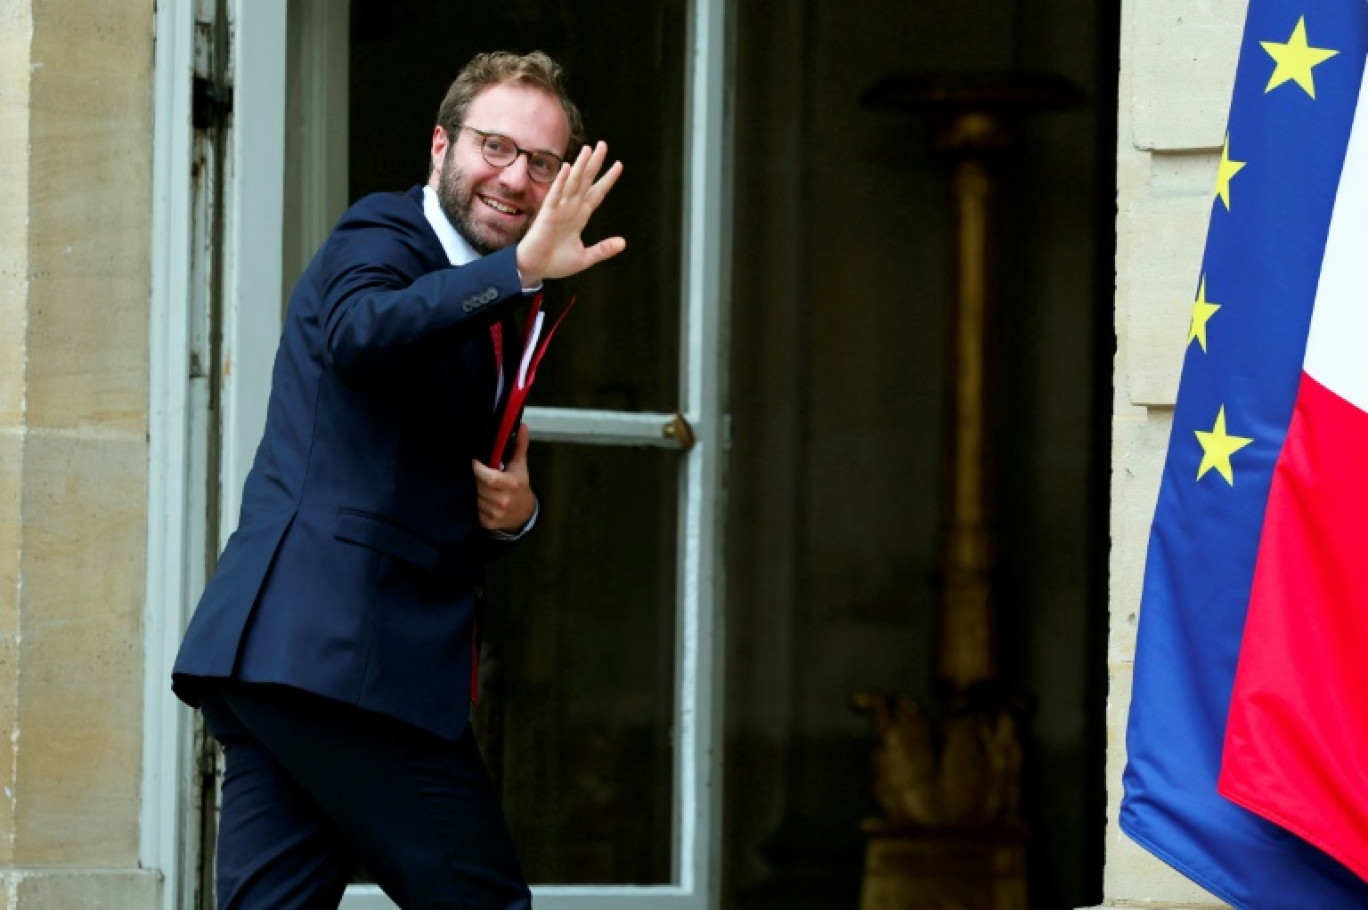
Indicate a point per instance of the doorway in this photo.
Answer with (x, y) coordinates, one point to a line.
(599, 711)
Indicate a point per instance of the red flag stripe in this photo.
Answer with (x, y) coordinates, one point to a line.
(1296, 747)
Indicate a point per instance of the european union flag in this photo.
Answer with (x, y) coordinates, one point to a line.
(1230, 520)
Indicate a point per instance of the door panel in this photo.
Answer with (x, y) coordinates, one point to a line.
(578, 709)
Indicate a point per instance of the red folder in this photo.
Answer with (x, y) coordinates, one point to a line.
(533, 348)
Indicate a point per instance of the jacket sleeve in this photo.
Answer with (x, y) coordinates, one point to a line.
(382, 299)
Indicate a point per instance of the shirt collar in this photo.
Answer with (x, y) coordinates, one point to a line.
(457, 248)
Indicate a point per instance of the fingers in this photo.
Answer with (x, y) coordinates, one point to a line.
(576, 178)
(604, 249)
(604, 184)
(595, 163)
(553, 247)
(579, 182)
(503, 499)
(494, 493)
(520, 445)
(553, 195)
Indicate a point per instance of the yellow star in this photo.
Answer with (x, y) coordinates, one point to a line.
(1217, 447)
(1225, 171)
(1295, 60)
(1202, 311)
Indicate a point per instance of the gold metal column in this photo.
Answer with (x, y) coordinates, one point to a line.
(951, 835)
(965, 655)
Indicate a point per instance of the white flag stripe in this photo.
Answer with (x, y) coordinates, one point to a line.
(1337, 347)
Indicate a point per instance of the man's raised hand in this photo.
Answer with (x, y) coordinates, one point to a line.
(552, 247)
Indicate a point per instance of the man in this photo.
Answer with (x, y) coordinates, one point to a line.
(332, 653)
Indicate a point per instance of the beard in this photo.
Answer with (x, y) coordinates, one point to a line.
(457, 199)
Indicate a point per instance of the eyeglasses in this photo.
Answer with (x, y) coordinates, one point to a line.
(500, 151)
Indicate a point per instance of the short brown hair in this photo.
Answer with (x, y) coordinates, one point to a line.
(535, 69)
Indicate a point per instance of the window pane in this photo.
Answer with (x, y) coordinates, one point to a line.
(625, 63)
(577, 701)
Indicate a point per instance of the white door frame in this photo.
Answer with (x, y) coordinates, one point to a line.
(178, 376)
(254, 173)
(167, 784)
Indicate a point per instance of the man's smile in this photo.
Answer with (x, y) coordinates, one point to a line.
(501, 207)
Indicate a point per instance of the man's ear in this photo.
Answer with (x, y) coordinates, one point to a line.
(439, 148)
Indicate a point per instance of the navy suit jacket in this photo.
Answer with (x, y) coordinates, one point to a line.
(356, 569)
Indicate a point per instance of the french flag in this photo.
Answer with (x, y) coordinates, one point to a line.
(1296, 745)
(1247, 740)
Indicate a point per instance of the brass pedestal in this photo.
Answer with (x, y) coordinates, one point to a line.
(914, 868)
(952, 837)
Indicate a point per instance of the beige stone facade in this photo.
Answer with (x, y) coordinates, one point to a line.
(75, 160)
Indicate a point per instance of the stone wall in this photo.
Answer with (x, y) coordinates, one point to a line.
(75, 161)
(1177, 69)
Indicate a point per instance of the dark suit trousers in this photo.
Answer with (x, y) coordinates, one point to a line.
(312, 785)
